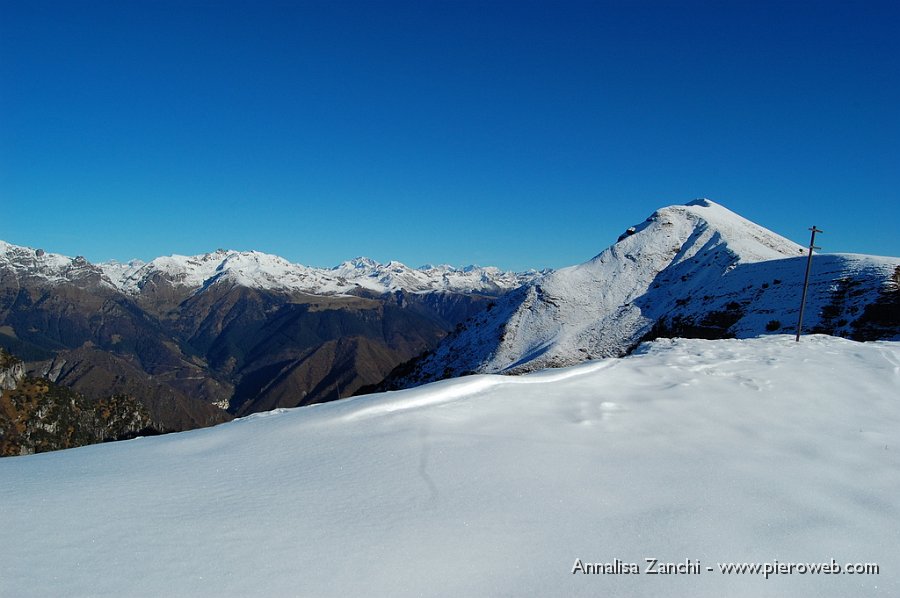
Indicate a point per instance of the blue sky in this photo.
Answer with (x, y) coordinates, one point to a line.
(519, 134)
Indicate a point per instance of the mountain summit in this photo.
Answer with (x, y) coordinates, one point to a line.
(696, 270)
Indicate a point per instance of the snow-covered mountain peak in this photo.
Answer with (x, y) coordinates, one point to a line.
(36, 258)
(691, 269)
(749, 241)
(358, 263)
(696, 235)
(699, 226)
(241, 268)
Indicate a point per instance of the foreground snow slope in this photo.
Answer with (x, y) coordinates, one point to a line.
(737, 450)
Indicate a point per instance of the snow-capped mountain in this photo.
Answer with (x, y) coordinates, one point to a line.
(254, 269)
(24, 264)
(688, 270)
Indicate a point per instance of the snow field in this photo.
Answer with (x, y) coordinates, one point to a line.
(717, 451)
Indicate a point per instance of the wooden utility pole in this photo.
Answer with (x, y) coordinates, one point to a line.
(812, 245)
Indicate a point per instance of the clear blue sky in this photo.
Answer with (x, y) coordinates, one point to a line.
(512, 133)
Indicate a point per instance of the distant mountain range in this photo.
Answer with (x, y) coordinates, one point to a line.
(257, 270)
(198, 340)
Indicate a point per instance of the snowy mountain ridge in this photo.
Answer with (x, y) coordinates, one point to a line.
(688, 270)
(25, 263)
(260, 270)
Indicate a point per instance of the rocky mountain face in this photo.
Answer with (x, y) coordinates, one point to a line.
(200, 339)
(37, 415)
(695, 270)
(12, 371)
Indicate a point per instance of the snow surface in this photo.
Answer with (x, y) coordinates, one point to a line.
(718, 451)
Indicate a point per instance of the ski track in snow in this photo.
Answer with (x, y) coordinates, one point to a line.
(450, 390)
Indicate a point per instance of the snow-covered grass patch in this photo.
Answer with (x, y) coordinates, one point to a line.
(689, 451)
